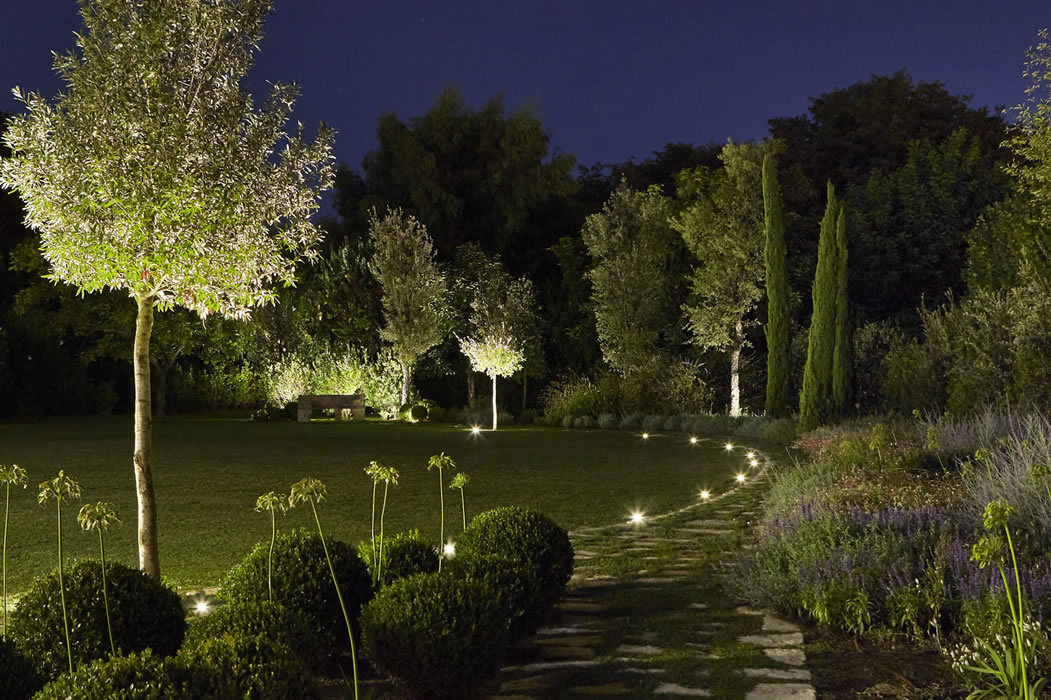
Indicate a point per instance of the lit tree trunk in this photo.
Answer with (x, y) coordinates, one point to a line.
(494, 402)
(404, 383)
(149, 559)
(735, 368)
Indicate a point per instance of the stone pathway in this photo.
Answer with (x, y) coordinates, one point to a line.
(646, 615)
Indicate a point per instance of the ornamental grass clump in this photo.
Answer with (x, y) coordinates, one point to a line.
(271, 503)
(61, 489)
(99, 516)
(13, 475)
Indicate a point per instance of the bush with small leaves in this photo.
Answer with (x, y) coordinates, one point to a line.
(568, 421)
(608, 421)
(419, 412)
(632, 421)
(526, 536)
(436, 635)
(301, 579)
(584, 422)
(437, 414)
(520, 591)
(242, 664)
(145, 614)
(280, 623)
(672, 424)
(19, 679)
(137, 676)
(405, 554)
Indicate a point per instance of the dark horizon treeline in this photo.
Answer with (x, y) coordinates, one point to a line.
(915, 166)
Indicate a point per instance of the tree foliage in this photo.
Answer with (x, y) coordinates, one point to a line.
(778, 300)
(843, 349)
(413, 287)
(815, 400)
(721, 222)
(631, 246)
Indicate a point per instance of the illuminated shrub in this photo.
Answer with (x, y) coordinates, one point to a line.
(279, 623)
(437, 636)
(241, 664)
(523, 600)
(404, 555)
(301, 579)
(137, 676)
(145, 614)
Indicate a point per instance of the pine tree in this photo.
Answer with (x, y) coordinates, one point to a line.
(778, 368)
(843, 356)
(815, 400)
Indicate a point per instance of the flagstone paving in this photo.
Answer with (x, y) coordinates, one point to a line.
(648, 614)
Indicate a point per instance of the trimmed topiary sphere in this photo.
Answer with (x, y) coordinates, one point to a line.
(301, 580)
(279, 623)
(522, 598)
(18, 679)
(240, 664)
(142, 676)
(528, 537)
(437, 636)
(145, 614)
(405, 554)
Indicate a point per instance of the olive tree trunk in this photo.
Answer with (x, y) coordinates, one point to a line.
(735, 368)
(149, 559)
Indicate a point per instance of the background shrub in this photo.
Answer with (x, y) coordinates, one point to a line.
(632, 421)
(437, 414)
(19, 679)
(419, 412)
(144, 612)
(526, 536)
(301, 579)
(652, 423)
(568, 421)
(137, 676)
(436, 636)
(405, 554)
(584, 422)
(608, 421)
(671, 424)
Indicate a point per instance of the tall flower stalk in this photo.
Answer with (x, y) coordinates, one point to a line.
(441, 461)
(13, 475)
(99, 516)
(458, 482)
(388, 475)
(312, 491)
(270, 501)
(61, 489)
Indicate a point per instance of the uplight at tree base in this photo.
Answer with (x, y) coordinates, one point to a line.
(475, 430)
(637, 518)
(645, 436)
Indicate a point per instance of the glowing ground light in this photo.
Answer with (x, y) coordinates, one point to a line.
(754, 462)
(449, 550)
(202, 607)
(705, 494)
(475, 430)
(729, 446)
(693, 441)
(740, 478)
(750, 455)
(637, 518)
(645, 436)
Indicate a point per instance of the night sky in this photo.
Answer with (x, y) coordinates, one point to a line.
(611, 79)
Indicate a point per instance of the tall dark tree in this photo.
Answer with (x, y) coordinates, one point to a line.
(778, 310)
(843, 352)
(815, 400)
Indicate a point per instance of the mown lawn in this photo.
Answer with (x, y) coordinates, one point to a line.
(209, 471)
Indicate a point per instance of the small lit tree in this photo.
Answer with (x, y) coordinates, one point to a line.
(152, 173)
(413, 286)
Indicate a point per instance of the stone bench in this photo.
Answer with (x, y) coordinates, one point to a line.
(308, 403)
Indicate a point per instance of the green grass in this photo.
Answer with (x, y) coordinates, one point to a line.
(208, 472)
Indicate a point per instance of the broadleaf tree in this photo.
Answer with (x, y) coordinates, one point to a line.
(778, 296)
(153, 173)
(722, 225)
(413, 288)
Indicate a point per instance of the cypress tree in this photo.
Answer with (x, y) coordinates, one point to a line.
(815, 400)
(778, 367)
(843, 357)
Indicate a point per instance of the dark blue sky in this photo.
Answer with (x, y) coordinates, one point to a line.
(610, 78)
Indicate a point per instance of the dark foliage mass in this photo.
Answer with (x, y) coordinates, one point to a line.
(145, 615)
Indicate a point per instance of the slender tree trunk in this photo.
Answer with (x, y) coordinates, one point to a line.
(525, 390)
(470, 386)
(404, 383)
(159, 381)
(494, 402)
(735, 368)
(149, 559)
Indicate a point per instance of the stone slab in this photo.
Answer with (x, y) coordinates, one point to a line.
(782, 691)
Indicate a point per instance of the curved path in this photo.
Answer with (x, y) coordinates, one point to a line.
(650, 613)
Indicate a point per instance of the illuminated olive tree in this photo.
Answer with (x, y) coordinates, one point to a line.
(153, 173)
(413, 286)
